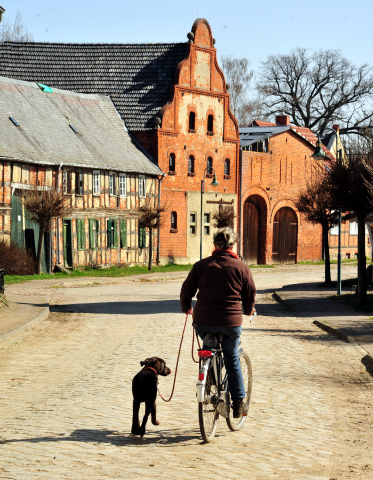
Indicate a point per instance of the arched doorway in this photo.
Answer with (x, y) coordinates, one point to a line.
(254, 230)
(285, 236)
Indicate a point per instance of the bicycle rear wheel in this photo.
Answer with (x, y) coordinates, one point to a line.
(207, 414)
(235, 424)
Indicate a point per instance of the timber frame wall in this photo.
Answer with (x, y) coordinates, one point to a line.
(17, 176)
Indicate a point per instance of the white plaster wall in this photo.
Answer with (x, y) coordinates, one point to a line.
(203, 103)
(203, 70)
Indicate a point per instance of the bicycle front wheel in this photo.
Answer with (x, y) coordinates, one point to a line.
(208, 416)
(235, 424)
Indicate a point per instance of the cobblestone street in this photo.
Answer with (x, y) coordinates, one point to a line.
(66, 401)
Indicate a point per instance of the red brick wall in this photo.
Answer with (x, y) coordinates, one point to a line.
(277, 177)
(174, 137)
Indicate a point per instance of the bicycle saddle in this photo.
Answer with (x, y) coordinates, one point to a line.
(211, 340)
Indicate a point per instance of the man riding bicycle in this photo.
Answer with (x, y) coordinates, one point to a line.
(225, 285)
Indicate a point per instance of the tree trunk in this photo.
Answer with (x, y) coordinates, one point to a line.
(325, 234)
(150, 249)
(40, 250)
(361, 261)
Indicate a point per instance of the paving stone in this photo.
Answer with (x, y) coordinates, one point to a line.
(71, 394)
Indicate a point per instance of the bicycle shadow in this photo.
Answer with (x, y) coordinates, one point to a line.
(114, 437)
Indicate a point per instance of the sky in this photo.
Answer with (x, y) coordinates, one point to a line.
(243, 29)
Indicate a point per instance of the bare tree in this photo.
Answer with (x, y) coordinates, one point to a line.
(224, 217)
(317, 88)
(42, 207)
(315, 201)
(16, 32)
(348, 183)
(238, 77)
(152, 218)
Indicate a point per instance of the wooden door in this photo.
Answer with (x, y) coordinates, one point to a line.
(285, 235)
(67, 243)
(251, 232)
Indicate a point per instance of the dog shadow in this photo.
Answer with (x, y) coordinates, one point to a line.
(168, 437)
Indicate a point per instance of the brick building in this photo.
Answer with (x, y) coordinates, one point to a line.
(77, 143)
(173, 99)
(276, 158)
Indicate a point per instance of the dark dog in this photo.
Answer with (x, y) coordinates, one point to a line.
(144, 389)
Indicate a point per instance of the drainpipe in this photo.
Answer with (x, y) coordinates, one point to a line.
(240, 207)
(160, 178)
(57, 219)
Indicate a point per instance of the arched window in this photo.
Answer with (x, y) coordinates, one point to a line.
(192, 121)
(227, 167)
(191, 164)
(209, 165)
(173, 221)
(210, 124)
(172, 162)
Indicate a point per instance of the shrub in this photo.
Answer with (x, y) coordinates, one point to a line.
(15, 260)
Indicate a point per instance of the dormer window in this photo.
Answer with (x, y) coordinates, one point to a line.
(210, 124)
(171, 164)
(192, 121)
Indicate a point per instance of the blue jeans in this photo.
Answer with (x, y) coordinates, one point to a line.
(229, 345)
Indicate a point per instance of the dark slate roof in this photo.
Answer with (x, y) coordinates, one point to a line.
(136, 76)
(44, 134)
(328, 140)
(250, 135)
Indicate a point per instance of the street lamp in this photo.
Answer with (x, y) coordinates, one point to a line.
(214, 183)
(320, 155)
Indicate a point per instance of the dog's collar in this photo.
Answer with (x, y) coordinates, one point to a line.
(154, 370)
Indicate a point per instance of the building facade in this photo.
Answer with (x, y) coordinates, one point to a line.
(77, 144)
(276, 161)
(174, 100)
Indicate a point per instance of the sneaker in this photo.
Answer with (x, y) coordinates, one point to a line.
(240, 408)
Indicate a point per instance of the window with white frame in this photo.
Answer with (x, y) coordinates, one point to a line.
(96, 182)
(334, 230)
(112, 183)
(66, 179)
(353, 228)
(142, 190)
(122, 185)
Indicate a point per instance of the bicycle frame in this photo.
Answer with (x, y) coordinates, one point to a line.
(206, 358)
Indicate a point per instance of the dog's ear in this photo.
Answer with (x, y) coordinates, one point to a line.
(159, 365)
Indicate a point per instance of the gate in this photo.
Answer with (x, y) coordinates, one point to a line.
(285, 236)
(251, 221)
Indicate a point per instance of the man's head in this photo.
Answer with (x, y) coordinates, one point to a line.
(225, 238)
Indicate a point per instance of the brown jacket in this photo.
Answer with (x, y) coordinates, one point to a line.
(222, 282)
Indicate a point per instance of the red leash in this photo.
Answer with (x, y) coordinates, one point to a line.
(178, 358)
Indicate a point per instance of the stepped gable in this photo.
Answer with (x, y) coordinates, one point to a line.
(137, 77)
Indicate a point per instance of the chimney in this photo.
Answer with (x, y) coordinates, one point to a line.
(283, 120)
(336, 128)
(2, 10)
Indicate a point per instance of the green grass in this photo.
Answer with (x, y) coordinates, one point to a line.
(94, 272)
(332, 262)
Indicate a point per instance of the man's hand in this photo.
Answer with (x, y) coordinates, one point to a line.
(190, 311)
(253, 312)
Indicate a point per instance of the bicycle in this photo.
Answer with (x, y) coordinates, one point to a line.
(212, 388)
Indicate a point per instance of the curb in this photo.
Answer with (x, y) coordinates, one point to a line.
(286, 303)
(366, 358)
(28, 325)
